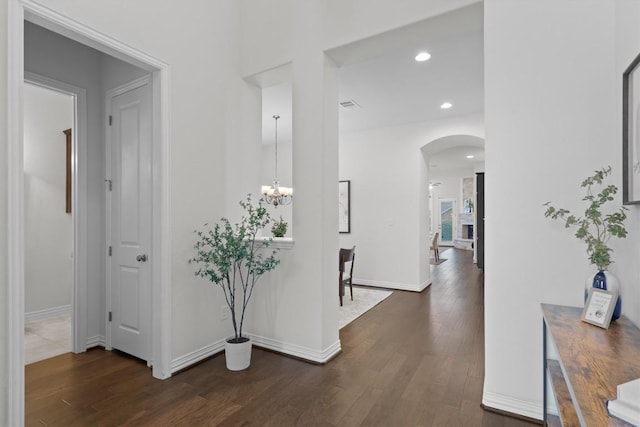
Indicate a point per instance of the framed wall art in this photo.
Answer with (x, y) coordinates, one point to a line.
(631, 133)
(344, 206)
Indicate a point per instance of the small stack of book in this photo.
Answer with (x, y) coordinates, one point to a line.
(627, 405)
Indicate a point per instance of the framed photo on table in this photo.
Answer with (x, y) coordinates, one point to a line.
(344, 206)
(599, 307)
(631, 133)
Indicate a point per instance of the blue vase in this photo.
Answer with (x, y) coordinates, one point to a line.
(607, 282)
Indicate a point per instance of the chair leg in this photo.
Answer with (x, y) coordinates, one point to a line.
(340, 300)
(351, 289)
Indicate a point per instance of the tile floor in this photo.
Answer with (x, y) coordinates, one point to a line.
(47, 338)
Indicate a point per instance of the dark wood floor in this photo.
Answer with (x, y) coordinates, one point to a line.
(416, 359)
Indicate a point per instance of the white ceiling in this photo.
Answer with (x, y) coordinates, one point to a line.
(455, 158)
(395, 89)
(392, 89)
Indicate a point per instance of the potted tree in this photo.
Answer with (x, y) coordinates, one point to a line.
(596, 228)
(232, 259)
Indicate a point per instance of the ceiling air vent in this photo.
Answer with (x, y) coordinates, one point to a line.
(350, 104)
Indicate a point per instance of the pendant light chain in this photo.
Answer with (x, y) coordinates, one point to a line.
(276, 171)
(274, 194)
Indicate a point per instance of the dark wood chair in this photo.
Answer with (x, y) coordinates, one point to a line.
(346, 256)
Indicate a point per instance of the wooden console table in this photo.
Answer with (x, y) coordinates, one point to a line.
(591, 363)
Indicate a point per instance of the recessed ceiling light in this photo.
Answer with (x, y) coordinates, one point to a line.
(470, 156)
(423, 56)
(446, 105)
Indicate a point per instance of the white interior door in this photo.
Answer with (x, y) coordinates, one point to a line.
(130, 220)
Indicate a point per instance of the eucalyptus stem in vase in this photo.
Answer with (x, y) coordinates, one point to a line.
(596, 228)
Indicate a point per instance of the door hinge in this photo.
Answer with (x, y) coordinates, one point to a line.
(110, 250)
(110, 120)
(109, 183)
(110, 316)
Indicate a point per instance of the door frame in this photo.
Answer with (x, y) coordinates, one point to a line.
(17, 12)
(79, 203)
(454, 218)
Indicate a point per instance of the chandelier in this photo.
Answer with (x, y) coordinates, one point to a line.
(275, 194)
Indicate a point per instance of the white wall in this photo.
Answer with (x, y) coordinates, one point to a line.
(49, 229)
(114, 73)
(5, 384)
(303, 287)
(384, 166)
(550, 122)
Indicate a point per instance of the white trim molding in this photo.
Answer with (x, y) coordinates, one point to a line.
(392, 285)
(96, 341)
(193, 357)
(189, 359)
(322, 356)
(277, 242)
(14, 367)
(510, 404)
(47, 313)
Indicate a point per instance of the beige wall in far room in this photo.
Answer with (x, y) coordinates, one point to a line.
(49, 229)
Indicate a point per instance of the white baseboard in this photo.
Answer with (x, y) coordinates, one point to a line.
(193, 357)
(96, 341)
(425, 285)
(298, 351)
(311, 355)
(512, 405)
(47, 313)
(392, 285)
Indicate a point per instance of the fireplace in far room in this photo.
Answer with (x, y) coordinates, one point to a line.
(467, 232)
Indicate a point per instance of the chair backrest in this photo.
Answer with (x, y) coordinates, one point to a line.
(434, 242)
(346, 255)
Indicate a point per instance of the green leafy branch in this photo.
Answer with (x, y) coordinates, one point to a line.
(594, 228)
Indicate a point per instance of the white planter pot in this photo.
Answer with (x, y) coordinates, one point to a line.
(237, 355)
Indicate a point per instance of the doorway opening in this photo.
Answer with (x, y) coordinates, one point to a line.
(447, 217)
(19, 16)
(49, 129)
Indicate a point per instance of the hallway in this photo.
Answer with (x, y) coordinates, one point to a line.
(414, 359)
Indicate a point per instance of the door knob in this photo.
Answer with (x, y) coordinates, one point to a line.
(141, 258)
